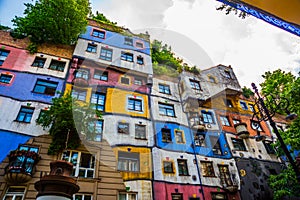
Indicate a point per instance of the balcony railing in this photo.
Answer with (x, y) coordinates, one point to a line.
(21, 166)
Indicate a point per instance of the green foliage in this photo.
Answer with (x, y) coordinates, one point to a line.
(53, 21)
(228, 9)
(163, 57)
(247, 92)
(67, 118)
(32, 48)
(284, 184)
(100, 17)
(4, 27)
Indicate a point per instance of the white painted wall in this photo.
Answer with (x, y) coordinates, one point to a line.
(142, 187)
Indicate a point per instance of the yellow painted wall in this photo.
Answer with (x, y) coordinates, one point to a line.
(145, 163)
(116, 102)
(287, 10)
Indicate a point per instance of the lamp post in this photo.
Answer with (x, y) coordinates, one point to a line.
(263, 114)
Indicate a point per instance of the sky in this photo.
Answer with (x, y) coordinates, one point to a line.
(199, 33)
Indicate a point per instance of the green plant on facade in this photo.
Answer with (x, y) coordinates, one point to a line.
(247, 92)
(68, 119)
(32, 48)
(228, 9)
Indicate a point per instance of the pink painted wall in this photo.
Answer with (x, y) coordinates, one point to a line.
(163, 191)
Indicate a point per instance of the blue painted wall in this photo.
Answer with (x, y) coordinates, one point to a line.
(10, 141)
(116, 40)
(23, 84)
(187, 146)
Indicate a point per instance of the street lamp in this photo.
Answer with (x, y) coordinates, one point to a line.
(263, 114)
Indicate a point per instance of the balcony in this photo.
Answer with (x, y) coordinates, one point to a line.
(241, 129)
(21, 166)
(79, 81)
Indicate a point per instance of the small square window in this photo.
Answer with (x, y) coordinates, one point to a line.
(195, 85)
(82, 197)
(238, 144)
(168, 167)
(140, 60)
(251, 107)
(139, 45)
(243, 105)
(166, 135)
(98, 33)
(82, 73)
(3, 56)
(128, 161)
(270, 149)
(177, 196)
(225, 175)
(216, 146)
(236, 121)
(207, 168)
(218, 196)
(135, 104)
(45, 87)
(212, 79)
(14, 193)
(106, 54)
(225, 120)
(207, 117)
(100, 75)
(199, 139)
(25, 114)
(128, 41)
(123, 128)
(165, 89)
(42, 114)
(127, 56)
(39, 62)
(138, 81)
(182, 167)
(228, 103)
(91, 48)
(227, 74)
(98, 101)
(57, 65)
(79, 94)
(96, 130)
(140, 131)
(5, 78)
(179, 136)
(125, 80)
(166, 109)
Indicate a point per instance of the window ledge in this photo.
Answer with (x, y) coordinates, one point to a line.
(141, 138)
(22, 122)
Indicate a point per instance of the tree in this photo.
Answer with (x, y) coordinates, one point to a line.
(67, 119)
(102, 18)
(53, 21)
(281, 84)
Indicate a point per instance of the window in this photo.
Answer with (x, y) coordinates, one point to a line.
(225, 175)
(128, 161)
(238, 144)
(227, 74)
(251, 107)
(268, 145)
(216, 146)
(212, 79)
(218, 196)
(42, 114)
(57, 65)
(127, 56)
(100, 75)
(39, 62)
(45, 87)
(96, 128)
(140, 131)
(138, 81)
(195, 85)
(139, 45)
(224, 120)
(135, 104)
(91, 48)
(127, 196)
(179, 136)
(243, 105)
(82, 197)
(98, 101)
(123, 128)
(165, 89)
(79, 94)
(166, 109)
(83, 163)
(207, 117)
(125, 80)
(3, 56)
(255, 125)
(140, 60)
(182, 167)
(14, 193)
(5, 78)
(199, 139)
(25, 114)
(98, 33)
(177, 196)
(168, 166)
(166, 135)
(128, 41)
(228, 103)
(106, 54)
(236, 121)
(207, 168)
(82, 73)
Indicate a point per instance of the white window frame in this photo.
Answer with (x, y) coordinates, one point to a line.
(82, 196)
(14, 194)
(127, 196)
